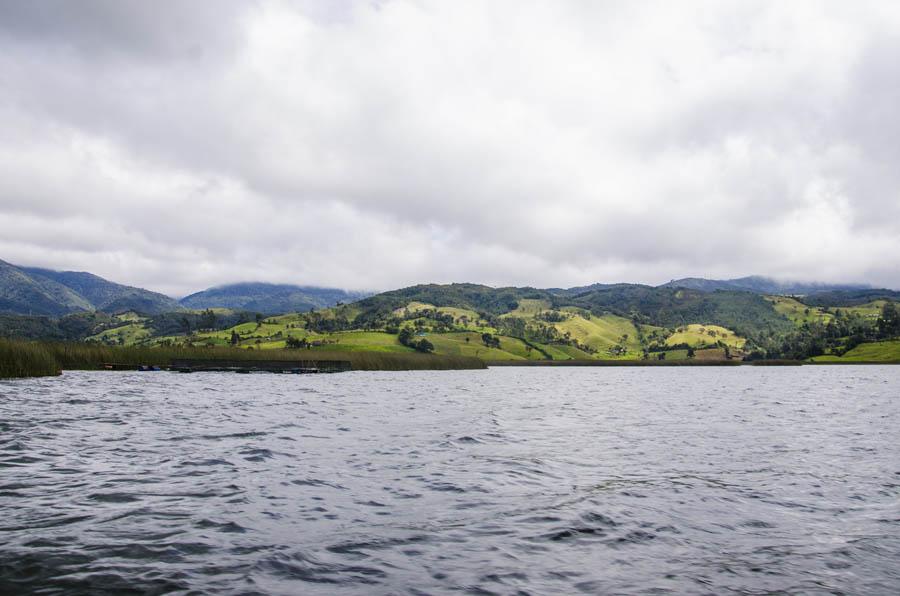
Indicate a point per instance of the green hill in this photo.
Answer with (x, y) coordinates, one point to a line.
(599, 322)
(882, 351)
(269, 298)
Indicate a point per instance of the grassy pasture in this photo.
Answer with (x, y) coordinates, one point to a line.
(129, 334)
(558, 353)
(456, 344)
(881, 351)
(869, 310)
(673, 355)
(473, 320)
(573, 353)
(696, 335)
(602, 333)
(456, 313)
(798, 312)
(361, 340)
(710, 354)
(528, 308)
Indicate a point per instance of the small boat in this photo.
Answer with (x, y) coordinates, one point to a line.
(148, 367)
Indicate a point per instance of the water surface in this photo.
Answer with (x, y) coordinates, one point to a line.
(563, 480)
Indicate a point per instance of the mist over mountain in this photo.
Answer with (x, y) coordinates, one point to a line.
(760, 285)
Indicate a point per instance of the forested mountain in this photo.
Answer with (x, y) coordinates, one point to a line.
(269, 298)
(44, 292)
(25, 293)
(750, 318)
(663, 306)
(839, 298)
(107, 296)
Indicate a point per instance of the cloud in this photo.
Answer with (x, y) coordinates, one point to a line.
(375, 145)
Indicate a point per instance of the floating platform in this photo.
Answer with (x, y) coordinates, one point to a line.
(293, 367)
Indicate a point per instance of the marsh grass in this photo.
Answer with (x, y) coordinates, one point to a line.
(24, 359)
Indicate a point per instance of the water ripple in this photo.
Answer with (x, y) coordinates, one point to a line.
(506, 481)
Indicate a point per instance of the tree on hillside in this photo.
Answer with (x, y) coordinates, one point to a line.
(208, 319)
(889, 321)
(490, 341)
(235, 338)
(293, 343)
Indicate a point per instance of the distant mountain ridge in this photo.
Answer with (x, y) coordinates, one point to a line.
(34, 291)
(23, 293)
(268, 298)
(45, 292)
(760, 285)
(107, 296)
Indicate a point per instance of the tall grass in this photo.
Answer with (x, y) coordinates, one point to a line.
(25, 359)
(35, 359)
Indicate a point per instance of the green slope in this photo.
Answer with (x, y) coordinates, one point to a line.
(882, 351)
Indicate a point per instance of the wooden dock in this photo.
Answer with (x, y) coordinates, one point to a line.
(296, 367)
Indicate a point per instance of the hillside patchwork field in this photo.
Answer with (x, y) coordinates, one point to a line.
(882, 351)
(600, 322)
(698, 336)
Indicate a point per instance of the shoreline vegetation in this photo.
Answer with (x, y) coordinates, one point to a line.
(21, 359)
(464, 326)
(36, 359)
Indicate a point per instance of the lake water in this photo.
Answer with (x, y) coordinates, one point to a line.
(507, 481)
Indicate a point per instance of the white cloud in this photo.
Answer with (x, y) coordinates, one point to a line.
(375, 145)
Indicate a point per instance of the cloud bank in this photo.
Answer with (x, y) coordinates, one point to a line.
(374, 145)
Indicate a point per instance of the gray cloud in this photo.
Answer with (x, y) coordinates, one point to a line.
(373, 145)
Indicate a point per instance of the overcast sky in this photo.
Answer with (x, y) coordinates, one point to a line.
(372, 145)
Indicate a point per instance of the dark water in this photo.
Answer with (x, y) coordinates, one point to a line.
(750, 480)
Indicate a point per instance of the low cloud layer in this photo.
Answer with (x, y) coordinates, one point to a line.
(373, 145)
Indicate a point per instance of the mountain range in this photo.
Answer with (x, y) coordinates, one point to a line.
(45, 292)
(269, 298)
(35, 291)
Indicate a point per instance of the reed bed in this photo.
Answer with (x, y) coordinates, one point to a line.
(25, 359)
(20, 359)
(611, 363)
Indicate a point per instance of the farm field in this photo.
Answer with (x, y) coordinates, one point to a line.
(455, 344)
(881, 351)
(529, 324)
(798, 312)
(696, 335)
(603, 334)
